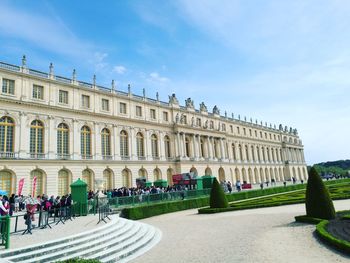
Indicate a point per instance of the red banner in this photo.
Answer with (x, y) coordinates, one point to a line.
(34, 186)
(20, 186)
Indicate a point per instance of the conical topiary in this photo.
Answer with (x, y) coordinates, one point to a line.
(318, 201)
(217, 196)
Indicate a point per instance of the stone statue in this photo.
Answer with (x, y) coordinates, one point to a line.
(280, 127)
(192, 121)
(202, 107)
(177, 118)
(173, 99)
(295, 132)
(205, 126)
(189, 103)
(216, 110)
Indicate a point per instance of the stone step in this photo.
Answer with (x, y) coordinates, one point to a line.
(77, 248)
(119, 227)
(100, 247)
(115, 220)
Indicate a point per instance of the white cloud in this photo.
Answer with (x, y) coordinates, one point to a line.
(155, 77)
(119, 69)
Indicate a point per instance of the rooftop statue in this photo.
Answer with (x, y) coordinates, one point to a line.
(216, 110)
(202, 107)
(189, 103)
(173, 99)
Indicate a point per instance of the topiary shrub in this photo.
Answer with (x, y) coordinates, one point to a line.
(217, 196)
(318, 201)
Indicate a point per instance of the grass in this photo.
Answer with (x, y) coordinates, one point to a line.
(338, 191)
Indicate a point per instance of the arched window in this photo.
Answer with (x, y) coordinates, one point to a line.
(6, 181)
(246, 153)
(39, 190)
(234, 152)
(107, 177)
(106, 143)
(6, 136)
(63, 182)
(87, 178)
(187, 147)
(154, 146)
(85, 142)
(167, 146)
(62, 141)
(202, 148)
(124, 149)
(240, 152)
(36, 139)
(140, 145)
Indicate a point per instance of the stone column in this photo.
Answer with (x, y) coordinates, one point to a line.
(116, 142)
(222, 150)
(51, 140)
(132, 144)
(210, 148)
(161, 146)
(148, 149)
(183, 142)
(195, 147)
(22, 136)
(97, 142)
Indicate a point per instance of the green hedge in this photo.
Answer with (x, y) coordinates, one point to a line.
(140, 212)
(307, 219)
(321, 230)
(145, 211)
(79, 260)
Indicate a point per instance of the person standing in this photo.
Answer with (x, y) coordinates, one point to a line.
(3, 209)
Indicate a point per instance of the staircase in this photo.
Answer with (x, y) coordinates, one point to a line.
(120, 240)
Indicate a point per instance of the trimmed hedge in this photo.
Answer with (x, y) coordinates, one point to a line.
(318, 201)
(217, 196)
(79, 260)
(145, 211)
(307, 219)
(321, 230)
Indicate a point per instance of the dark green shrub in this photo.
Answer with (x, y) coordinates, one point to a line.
(318, 201)
(217, 196)
(307, 219)
(79, 260)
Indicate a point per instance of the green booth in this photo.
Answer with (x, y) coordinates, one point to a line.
(207, 181)
(148, 184)
(79, 197)
(199, 183)
(160, 183)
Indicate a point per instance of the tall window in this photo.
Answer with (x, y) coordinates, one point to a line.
(211, 125)
(138, 111)
(258, 152)
(240, 152)
(8, 86)
(38, 92)
(36, 137)
(87, 178)
(85, 142)
(165, 116)
(140, 145)
(153, 114)
(62, 140)
(167, 146)
(122, 108)
(106, 142)
(85, 101)
(63, 96)
(234, 152)
(107, 177)
(253, 154)
(199, 122)
(6, 181)
(187, 147)
(216, 155)
(124, 149)
(63, 182)
(7, 126)
(246, 153)
(263, 154)
(202, 148)
(39, 190)
(154, 146)
(105, 104)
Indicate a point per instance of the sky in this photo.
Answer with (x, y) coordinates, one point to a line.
(275, 61)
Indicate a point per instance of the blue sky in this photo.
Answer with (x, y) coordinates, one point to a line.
(277, 61)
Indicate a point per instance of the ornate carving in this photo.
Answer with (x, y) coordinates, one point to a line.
(173, 99)
(202, 107)
(216, 110)
(177, 118)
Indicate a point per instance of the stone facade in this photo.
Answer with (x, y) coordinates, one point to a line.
(59, 129)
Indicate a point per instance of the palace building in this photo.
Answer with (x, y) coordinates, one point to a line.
(60, 129)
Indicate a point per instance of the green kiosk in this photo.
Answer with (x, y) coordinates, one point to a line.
(79, 197)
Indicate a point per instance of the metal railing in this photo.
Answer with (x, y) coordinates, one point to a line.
(5, 231)
(153, 198)
(8, 155)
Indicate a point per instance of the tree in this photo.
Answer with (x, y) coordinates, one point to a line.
(318, 201)
(217, 196)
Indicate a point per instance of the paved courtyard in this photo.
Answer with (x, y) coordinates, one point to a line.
(258, 235)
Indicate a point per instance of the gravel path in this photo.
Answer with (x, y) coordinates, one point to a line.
(257, 235)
